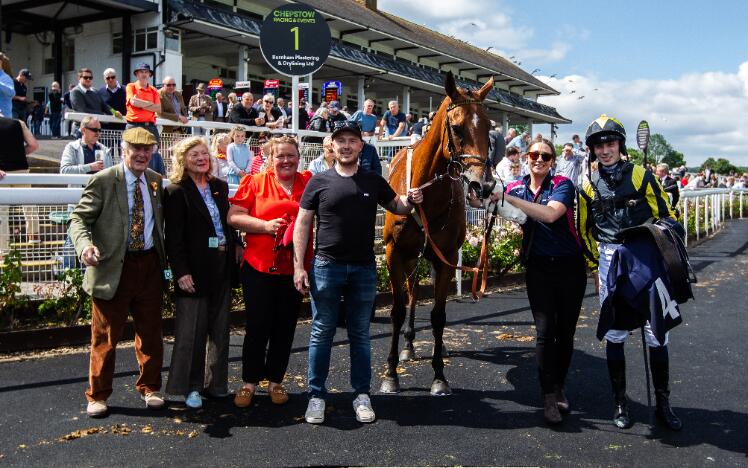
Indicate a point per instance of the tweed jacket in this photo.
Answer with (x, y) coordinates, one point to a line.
(168, 112)
(101, 218)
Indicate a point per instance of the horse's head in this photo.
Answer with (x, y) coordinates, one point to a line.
(466, 127)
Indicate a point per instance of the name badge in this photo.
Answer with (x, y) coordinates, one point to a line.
(167, 274)
(212, 242)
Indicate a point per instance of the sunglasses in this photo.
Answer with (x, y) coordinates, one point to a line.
(89, 77)
(170, 85)
(91, 129)
(534, 155)
(269, 102)
(111, 78)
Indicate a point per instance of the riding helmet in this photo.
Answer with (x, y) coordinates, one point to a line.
(605, 129)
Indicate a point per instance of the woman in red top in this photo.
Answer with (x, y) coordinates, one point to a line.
(264, 206)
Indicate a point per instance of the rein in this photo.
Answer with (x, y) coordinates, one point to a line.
(457, 167)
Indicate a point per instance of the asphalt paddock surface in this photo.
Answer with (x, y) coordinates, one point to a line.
(494, 416)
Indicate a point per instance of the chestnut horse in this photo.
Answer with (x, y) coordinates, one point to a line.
(455, 150)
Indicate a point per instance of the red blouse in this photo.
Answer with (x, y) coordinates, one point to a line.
(265, 199)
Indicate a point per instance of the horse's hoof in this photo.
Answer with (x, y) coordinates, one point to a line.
(390, 386)
(440, 388)
(407, 354)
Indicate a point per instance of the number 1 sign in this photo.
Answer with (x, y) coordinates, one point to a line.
(295, 39)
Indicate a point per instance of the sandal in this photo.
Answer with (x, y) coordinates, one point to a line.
(278, 394)
(243, 397)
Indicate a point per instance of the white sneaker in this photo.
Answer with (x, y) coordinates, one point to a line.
(315, 411)
(153, 400)
(97, 409)
(362, 407)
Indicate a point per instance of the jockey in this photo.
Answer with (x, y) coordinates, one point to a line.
(622, 195)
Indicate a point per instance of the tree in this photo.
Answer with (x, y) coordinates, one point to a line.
(635, 156)
(660, 151)
(719, 166)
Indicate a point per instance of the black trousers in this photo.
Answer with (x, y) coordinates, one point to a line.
(272, 307)
(555, 288)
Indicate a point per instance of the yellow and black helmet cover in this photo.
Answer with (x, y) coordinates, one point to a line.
(604, 129)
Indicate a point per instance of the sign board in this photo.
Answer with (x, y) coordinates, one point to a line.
(642, 135)
(271, 84)
(242, 85)
(295, 39)
(303, 92)
(215, 83)
(337, 85)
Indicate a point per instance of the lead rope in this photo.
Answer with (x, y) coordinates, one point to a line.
(482, 266)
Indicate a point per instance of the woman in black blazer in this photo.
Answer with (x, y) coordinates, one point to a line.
(203, 251)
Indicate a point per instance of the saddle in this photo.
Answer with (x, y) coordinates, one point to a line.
(668, 237)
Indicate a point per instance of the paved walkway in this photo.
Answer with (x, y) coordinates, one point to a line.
(493, 418)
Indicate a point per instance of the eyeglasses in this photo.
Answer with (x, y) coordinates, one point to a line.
(111, 77)
(89, 77)
(534, 155)
(93, 129)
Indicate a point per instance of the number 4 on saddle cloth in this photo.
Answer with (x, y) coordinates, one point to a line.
(649, 276)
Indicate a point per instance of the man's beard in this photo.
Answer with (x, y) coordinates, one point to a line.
(349, 163)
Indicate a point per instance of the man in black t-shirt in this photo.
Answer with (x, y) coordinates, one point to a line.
(344, 199)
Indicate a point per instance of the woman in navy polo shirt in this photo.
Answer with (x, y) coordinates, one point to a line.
(556, 277)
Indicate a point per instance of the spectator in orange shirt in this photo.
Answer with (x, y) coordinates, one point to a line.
(143, 102)
(264, 207)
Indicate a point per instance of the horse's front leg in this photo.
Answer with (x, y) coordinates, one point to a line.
(440, 386)
(408, 353)
(390, 382)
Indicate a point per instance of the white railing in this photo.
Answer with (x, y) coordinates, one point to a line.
(310, 144)
(708, 209)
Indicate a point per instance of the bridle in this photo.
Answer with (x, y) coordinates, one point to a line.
(458, 161)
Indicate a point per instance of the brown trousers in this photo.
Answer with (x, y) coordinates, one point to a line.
(140, 294)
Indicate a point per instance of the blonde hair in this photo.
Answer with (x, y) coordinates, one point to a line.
(232, 98)
(236, 130)
(273, 143)
(217, 139)
(179, 153)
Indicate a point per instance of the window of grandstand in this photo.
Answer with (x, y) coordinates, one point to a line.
(142, 39)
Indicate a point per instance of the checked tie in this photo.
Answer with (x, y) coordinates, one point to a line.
(137, 223)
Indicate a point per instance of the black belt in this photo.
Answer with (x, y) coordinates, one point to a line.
(140, 253)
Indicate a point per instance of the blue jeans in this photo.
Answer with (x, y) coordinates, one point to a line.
(329, 282)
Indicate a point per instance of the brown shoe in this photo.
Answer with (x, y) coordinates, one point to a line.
(561, 401)
(550, 409)
(243, 397)
(278, 395)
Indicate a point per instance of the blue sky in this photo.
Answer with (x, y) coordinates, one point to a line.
(654, 39)
(683, 66)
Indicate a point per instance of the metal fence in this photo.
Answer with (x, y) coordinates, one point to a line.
(34, 214)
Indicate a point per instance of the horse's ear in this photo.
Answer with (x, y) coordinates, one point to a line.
(450, 87)
(483, 92)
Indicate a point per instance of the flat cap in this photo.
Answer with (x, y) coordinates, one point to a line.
(138, 136)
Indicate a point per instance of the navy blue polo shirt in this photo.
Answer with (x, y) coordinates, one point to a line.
(557, 239)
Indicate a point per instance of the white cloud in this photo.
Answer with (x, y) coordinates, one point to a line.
(487, 23)
(700, 114)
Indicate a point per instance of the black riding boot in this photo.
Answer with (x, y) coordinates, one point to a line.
(660, 380)
(617, 372)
